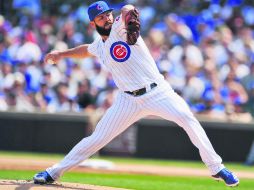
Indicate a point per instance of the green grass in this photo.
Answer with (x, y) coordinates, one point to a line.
(133, 181)
(175, 163)
(139, 182)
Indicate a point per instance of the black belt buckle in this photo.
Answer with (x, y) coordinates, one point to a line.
(136, 92)
(141, 91)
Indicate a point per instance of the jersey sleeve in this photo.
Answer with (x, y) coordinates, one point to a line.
(93, 47)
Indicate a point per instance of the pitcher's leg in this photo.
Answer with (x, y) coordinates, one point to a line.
(174, 108)
(121, 115)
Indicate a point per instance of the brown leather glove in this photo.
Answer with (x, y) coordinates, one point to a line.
(132, 25)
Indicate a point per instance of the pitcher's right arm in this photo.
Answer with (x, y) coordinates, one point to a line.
(77, 52)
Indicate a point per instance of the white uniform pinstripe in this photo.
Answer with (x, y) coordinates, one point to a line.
(132, 73)
(137, 71)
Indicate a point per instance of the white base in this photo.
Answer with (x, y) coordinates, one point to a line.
(97, 163)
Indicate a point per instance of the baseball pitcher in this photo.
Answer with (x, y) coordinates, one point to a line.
(142, 91)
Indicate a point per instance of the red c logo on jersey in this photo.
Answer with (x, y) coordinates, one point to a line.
(120, 51)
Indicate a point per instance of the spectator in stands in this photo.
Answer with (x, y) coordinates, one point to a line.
(64, 102)
(235, 97)
(248, 83)
(23, 101)
(3, 103)
(85, 99)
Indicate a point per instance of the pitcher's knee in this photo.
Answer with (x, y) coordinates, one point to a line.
(98, 141)
(186, 115)
(187, 119)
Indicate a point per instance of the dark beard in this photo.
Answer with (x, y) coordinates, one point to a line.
(102, 31)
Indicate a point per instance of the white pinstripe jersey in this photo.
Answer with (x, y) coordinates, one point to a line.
(132, 66)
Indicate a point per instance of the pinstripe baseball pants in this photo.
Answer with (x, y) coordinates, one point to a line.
(161, 101)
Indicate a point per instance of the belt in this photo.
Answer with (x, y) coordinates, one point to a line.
(141, 91)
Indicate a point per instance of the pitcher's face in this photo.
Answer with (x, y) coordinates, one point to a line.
(103, 23)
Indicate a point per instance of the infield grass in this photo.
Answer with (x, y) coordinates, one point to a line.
(139, 182)
(133, 181)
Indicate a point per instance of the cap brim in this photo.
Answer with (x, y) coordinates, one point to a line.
(104, 12)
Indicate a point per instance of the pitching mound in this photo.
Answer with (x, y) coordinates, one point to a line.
(28, 185)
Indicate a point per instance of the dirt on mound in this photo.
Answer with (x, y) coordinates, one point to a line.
(29, 185)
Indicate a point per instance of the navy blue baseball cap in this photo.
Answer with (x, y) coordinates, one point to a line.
(97, 8)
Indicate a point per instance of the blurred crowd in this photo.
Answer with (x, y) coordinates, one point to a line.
(205, 52)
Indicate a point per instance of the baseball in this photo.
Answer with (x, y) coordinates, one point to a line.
(51, 62)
